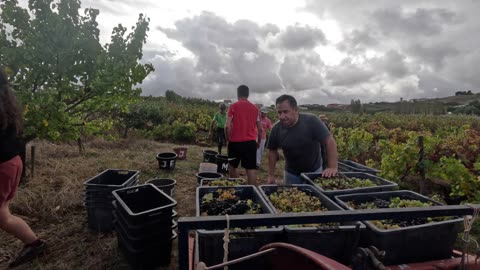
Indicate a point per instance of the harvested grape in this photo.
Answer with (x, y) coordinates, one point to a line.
(294, 200)
(225, 201)
(339, 183)
(396, 202)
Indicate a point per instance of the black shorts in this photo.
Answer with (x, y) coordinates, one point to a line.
(245, 152)
(220, 136)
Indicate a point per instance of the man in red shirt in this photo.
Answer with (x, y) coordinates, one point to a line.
(242, 131)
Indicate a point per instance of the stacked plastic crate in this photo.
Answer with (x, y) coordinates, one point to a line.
(98, 196)
(145, 226)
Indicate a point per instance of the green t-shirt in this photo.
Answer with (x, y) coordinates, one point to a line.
(220, 120)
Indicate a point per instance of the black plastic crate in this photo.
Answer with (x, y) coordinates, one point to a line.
(144, 203)
(242, 242)
(147, 258)
(139, 231)
(100, 218)
(205, 182)
(352, 166)
(158, 237)
(207, 175)
(431, 241)
(336, 242)
(112, 178)
(382, 184)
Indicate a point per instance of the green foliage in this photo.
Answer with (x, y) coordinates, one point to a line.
(65, 78)
(352, 142)
(184, 132)
(462, 182)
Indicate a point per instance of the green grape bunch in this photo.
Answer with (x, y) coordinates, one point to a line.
(339, 183)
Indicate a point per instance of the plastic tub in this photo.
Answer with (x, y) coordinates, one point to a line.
(336, 242)
(144, 203)
(352, 166)
(111, 179)
(148, 257)
(100, 218)
(222, 163)
(166, 160)
(207, 175)
(431, 241)
(181, 152)
(207, 167)
(209, 156)
(242, 243)
(167, 185)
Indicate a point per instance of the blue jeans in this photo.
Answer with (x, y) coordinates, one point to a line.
(291, 179)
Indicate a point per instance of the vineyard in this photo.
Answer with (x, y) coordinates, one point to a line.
(451, 150)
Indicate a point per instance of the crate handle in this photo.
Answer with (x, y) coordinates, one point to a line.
(156, 214)
(124, 172)
(130, 191)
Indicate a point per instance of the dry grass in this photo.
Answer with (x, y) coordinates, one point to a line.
(51, 201)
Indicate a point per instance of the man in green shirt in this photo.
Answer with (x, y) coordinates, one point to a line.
(218, 121)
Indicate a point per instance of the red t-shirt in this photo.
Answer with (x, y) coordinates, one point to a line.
(244, 121)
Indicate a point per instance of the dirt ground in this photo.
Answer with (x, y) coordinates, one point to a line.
(51, 200)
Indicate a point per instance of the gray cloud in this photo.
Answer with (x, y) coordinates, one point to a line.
(301, 72)
(348, 74)
(434, 54)
(297, 37)
(357, 41)
(392, 49)
(393, 63)
(421, 22)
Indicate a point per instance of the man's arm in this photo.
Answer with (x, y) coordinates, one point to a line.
(259, 133)
(228, 128)
(272, 161)
(332, 157)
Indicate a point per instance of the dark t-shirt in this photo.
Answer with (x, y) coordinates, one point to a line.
(300, 143)
(10, 145)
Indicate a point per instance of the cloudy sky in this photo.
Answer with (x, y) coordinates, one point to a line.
(322, 52)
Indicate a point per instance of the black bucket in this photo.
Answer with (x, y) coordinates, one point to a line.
(207, 175)
(209, 156)
(222, 163)
(167, 185)
(166, 160)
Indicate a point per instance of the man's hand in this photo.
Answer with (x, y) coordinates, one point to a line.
(330, 172)
(271, 179)
(258, 144)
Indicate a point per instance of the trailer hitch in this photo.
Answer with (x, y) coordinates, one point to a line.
(368, 259)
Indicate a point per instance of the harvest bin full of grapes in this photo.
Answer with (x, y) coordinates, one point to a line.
(234, 200)
(409, 240)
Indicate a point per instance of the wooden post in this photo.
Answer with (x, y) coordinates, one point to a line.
(421, 165)
(23, 156)
(32, 161)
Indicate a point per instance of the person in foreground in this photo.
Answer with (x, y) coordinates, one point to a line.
(300, 136)
(10, 173)
(242, 131)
